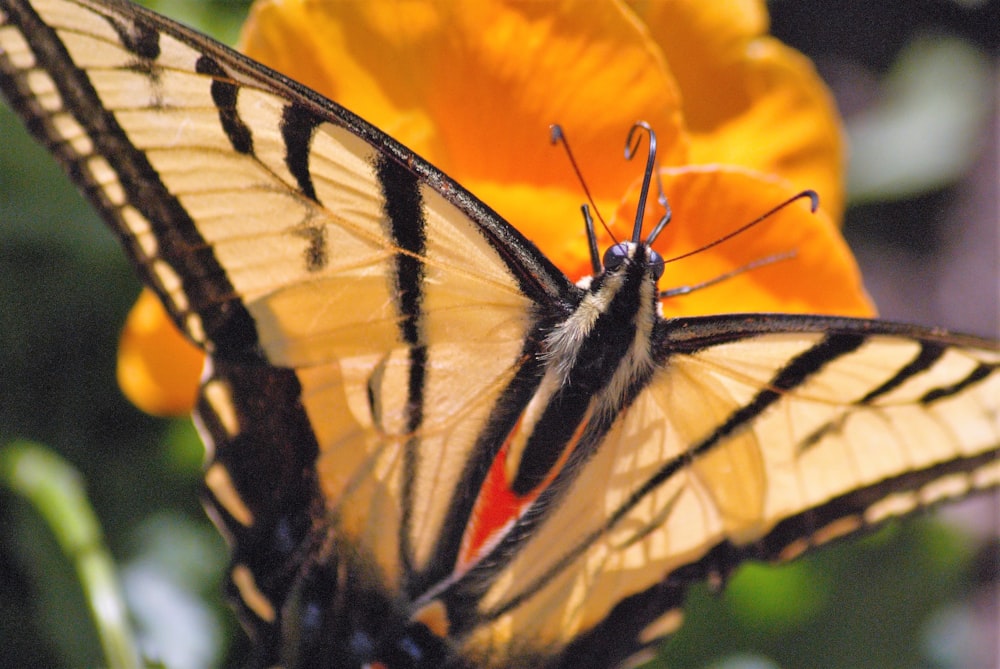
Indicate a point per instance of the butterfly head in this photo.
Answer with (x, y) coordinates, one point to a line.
(623, 252)
(634, 252)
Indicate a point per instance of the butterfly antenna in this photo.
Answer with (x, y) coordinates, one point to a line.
(557, 136)
(756, 264)
(814, 205)
(667, 214)
(630, 151)
(595, 254)
(661, 198)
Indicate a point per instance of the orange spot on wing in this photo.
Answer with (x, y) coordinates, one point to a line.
(497, 506)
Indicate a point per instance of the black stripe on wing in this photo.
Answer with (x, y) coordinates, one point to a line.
(224, 94)
(930, 352)
(978, 374)
(404, 212)
(620, 634)
(223, 318)
(297, 126)
(799, 370)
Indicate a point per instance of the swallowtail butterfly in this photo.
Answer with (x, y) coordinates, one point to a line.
(431, 449)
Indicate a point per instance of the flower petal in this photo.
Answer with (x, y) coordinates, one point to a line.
(739, 86)
(158, 369)
(473, 87)
(708, 202)
(549, 217)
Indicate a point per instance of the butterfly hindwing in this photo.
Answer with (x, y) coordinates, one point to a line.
(758, 437)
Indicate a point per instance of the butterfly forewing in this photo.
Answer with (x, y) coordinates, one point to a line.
(280, 229)
(235, 196)
(384, 351)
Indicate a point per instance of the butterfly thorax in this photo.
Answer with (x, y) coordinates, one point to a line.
(604, 346)
(593, 364)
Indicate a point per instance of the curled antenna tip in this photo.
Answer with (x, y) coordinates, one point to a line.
(813, 199)
(647, 175)
(630, 148)
(555, 133)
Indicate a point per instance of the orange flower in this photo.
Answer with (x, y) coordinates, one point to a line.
(743, 123)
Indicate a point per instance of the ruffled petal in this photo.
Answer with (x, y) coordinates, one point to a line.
(708, 202)
(748, 99)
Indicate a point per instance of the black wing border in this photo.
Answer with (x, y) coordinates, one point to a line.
(538, 276)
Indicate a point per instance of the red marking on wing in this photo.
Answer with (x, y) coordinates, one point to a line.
(495, 508)
(498, 507)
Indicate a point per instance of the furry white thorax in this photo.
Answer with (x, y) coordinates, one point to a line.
(564, 342)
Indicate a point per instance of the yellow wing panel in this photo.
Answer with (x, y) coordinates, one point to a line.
(289, 223)
(649, 502)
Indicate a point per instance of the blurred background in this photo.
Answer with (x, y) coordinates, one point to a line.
(917, 82)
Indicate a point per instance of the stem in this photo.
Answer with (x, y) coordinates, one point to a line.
(54, 488)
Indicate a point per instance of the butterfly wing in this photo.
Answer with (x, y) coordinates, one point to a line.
(758, 437)
(342, 287)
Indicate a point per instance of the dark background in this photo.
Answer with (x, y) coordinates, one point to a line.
(917, 82)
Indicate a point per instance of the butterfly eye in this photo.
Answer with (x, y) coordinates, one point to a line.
(615, 256)
(655, 262)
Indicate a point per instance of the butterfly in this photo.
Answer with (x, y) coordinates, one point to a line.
(430, 447)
